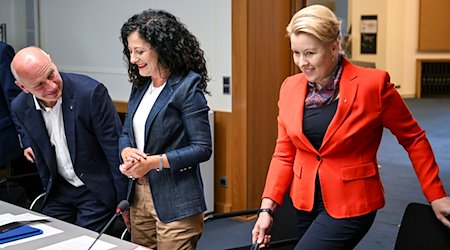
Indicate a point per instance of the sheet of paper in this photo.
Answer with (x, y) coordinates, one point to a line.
(47, 231)
(82, 242)
(26, 217)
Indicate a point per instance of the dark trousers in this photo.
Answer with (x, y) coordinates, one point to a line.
(76, 205)
(318, 230)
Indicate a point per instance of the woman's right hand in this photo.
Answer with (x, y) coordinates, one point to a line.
(132, 155)
(126, 220)
(261, 230)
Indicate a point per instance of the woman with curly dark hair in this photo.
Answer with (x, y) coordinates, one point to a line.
(166, 133)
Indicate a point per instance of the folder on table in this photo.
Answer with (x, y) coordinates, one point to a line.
(18, 233)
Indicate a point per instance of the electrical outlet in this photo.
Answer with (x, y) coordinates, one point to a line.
(226, 85)
(223, 181)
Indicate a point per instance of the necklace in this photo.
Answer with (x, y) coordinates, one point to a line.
(152, 88)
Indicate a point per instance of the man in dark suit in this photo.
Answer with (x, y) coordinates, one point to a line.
(10, 147)
(12, 161)
(70, 128)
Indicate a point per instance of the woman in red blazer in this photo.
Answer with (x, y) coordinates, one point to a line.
(330, 122)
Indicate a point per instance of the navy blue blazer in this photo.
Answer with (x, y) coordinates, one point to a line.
(178, 126)
(9, 141)
(92, 127)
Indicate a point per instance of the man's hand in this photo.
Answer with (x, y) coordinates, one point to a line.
(28, 153)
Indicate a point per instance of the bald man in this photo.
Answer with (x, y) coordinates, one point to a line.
(70, 129)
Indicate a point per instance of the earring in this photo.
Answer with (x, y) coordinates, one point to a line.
(335, 56)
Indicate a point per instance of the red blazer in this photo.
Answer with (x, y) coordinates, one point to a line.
(347, 160)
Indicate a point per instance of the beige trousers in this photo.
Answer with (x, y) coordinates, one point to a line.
(147, 230)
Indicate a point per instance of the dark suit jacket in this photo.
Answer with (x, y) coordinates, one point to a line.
(177, 126)
(346, 162)
(9, 141)
(92, 128)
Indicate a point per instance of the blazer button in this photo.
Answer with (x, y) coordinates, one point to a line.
(319, 158)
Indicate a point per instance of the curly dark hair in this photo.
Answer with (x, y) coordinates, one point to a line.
(178, 50)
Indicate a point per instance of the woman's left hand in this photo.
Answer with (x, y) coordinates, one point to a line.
(136, 169)
(441, 208)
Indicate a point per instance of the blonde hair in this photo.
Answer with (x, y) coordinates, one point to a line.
(316, 20)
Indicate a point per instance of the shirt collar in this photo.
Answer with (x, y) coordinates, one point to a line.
(41, 107)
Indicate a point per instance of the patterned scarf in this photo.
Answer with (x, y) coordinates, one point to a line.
(317, 97)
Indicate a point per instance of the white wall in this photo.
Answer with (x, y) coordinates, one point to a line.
(12, 12)
(377, 8)
(83, 36)
(398, 32)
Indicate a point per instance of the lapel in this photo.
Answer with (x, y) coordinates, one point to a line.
(133, 104)
(38, 132)
(299, 108)
(160, 102)
(68, 112)
(347, 95)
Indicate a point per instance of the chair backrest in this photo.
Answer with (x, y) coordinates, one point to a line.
(37, 203)
(420, 229)
(284, 230)
(363, 63)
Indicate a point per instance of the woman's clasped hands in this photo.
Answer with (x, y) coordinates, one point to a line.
(134, 164)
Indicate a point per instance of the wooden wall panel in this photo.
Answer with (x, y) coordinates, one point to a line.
(269, 64)
(245, 138)
(222, 162)
(261, 59)
(434, 25)
(121, 107)
(238, 152)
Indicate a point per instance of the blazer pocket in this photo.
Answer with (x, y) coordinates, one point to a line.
(358, 171)
(297, 168)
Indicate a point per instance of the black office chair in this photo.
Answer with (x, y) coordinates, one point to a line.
(20, 182)
(10, 190)
(117, 230)
(37, 203)
(420, 229)
(284, 230)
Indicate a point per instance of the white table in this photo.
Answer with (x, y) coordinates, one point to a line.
(70, 231)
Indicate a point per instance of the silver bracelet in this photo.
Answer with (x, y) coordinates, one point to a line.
(161, 163)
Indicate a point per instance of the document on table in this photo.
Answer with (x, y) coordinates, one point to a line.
(6, 219)
(47, 231)
(82, 242)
